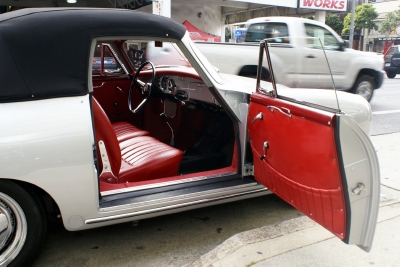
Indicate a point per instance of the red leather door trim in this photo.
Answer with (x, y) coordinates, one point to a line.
(114, 101)
(301, 163)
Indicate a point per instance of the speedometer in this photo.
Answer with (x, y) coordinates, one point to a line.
(166, 84)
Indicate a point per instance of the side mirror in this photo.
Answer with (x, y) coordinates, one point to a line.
(343, 45)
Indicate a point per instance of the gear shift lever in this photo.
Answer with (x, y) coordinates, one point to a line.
(172, 142)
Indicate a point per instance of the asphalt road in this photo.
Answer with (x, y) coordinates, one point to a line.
(385, 105)
(172, 240)
(175, 240)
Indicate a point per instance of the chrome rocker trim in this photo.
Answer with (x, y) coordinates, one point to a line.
(156, 185)
(210, 198)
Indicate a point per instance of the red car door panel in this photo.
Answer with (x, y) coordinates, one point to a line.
(295, 156)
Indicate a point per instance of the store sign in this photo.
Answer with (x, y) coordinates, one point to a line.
(329, 5)
(284, 3)
(386, 38)
(239, 33)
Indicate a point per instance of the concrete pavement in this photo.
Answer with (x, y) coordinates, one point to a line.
(301, 242)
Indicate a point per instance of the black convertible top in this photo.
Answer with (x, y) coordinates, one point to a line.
(44, 52)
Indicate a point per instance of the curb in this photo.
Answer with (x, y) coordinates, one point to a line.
(252, 246)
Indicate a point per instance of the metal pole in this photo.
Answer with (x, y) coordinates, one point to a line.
(365, 37)
(353, 2)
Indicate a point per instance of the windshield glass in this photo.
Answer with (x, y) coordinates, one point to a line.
(159, 53)
(277, 32)
(298, 72)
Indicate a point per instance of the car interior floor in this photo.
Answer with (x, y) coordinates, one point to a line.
(202, 131)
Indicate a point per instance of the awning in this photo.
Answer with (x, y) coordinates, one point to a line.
(198, 35)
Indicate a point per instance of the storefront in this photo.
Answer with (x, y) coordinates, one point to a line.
(383, 44)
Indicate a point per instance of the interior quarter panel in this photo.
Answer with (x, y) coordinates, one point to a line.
(301, 163)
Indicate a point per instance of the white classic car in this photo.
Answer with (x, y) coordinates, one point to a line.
(95, 148)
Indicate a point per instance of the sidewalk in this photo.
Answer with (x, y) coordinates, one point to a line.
(302, 242)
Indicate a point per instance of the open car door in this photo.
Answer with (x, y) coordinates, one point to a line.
(316, 158)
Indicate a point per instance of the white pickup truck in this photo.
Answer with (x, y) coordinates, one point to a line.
(295, 39)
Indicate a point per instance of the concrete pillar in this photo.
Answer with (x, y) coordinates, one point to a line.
(365, 40)
(162, 8)
(223, 29)
(320, 16)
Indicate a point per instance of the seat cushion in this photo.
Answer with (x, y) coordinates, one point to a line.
(145, 158)
(125, 131)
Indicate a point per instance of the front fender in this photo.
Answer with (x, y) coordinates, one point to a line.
(365, 63)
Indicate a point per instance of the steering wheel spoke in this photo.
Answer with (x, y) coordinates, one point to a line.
(142, 87)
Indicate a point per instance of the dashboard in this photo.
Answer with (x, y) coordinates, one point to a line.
(184, 88)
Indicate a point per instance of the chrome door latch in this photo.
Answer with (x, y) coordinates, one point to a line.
(248, 170)
(360, 187)
(265, 146)
(259, 116)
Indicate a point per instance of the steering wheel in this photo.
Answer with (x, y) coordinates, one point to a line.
(144, 88)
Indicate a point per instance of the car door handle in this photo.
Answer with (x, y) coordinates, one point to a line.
(310, 56)
(360, 187)
(265, 146)
(259, 116)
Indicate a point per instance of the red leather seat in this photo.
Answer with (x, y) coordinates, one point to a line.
(125, 131)
(138, 158)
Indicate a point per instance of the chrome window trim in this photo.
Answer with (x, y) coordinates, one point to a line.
(117, 58)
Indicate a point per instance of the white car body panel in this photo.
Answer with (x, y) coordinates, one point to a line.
(351, 104)
(48, 143)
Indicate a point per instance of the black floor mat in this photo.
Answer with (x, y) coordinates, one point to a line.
(213, 149)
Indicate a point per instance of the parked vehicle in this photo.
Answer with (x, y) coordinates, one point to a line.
(392, 61)
(95, 149)
(353, 71)
(109, 63)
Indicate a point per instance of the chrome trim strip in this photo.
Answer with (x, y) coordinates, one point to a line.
(117, 58)
(151, 186)
(163, 201)
(132, 214)
(104, 158)
(102, 84)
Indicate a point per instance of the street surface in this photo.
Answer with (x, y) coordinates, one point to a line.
(179, 239)
(385, 105)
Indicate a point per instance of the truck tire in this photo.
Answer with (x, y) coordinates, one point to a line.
(364, 86)
(390, 75)
(22, 224)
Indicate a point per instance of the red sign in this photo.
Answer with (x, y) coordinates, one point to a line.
(330, 5)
